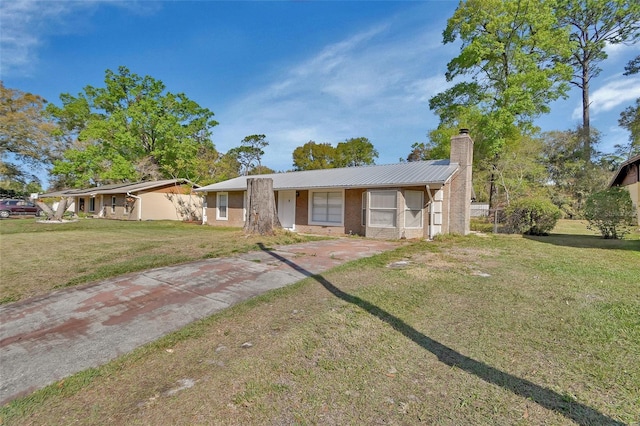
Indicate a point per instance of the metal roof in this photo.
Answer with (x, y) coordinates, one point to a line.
(117, 188)
(435, 172)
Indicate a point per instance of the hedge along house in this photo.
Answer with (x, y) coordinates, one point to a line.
(405, 200)
(628, 176)
(172, 199)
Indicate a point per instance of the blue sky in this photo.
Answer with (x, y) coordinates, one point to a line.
(294, 71)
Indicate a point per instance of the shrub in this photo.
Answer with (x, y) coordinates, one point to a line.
(532, 216)
(610, 212)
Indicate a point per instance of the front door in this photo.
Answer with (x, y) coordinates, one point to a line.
(287, 209)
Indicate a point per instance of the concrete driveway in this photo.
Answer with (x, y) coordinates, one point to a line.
(47, 338)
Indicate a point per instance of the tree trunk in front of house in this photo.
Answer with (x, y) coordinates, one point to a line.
(62, 207)
(48, 211)
(262, 216)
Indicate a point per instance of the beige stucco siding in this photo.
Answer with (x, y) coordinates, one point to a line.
(164, 205)
(634, 191)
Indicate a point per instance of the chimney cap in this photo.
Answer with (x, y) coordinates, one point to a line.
(464, 131)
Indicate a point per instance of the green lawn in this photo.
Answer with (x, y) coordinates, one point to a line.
(484, 329)
(37, 258)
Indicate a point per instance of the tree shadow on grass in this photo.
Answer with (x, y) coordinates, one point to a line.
(547, 398)
(586, 241)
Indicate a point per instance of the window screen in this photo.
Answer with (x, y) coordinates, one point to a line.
(414, 201)
(382, 209)
(326, 207)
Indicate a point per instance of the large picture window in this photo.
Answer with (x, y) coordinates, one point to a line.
(414, 200)
(222, 206)
(383, 209)
(326, 207)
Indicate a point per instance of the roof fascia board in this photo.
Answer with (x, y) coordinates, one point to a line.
(622, 167)
(314, 188)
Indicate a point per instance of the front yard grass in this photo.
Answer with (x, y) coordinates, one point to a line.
(484, 329)
(36, 258)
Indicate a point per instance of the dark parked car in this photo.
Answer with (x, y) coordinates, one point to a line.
(13, 207)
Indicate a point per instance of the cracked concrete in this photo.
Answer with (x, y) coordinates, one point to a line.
(47, 338)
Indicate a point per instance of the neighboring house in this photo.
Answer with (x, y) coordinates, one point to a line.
(171, 199)
(405, 200)
(628, 175)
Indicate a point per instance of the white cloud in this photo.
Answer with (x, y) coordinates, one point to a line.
(617, 91)
(618, 50)
(19, 38)
(26, 24)
(364, 85)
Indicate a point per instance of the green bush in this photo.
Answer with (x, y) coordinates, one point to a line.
(532, 216)
(610, 212)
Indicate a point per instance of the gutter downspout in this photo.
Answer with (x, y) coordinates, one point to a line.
(431, 214)
(204, 208)
(129, 194)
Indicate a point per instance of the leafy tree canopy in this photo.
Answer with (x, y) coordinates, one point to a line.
(509, 62)
(249, 153)
(352, 152)
(592, 25)
(571, 177)
(26, 136)
(313, 156)
(630, 117)
(355, 152)
(131, 129)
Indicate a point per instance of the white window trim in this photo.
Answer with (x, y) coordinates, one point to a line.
(218, 195)
(407, 209)
(370, 209)
(310, 209)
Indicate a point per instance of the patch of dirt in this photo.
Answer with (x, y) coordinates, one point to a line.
(470, 259)
(432, 261)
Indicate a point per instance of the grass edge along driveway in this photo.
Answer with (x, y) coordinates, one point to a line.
(479, 329)
(38, 258)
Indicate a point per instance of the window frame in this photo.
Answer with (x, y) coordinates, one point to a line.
(325, 191)
(245, 201)
(370, 209)
(114, 200)
(226, 206)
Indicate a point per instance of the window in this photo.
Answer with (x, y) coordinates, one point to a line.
(113, 204)
(326, 208)
(222, 205)
(382, 209)
(92, 204)
(414, 200)
(363, 219)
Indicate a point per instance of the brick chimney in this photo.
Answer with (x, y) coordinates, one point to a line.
(460, 204)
